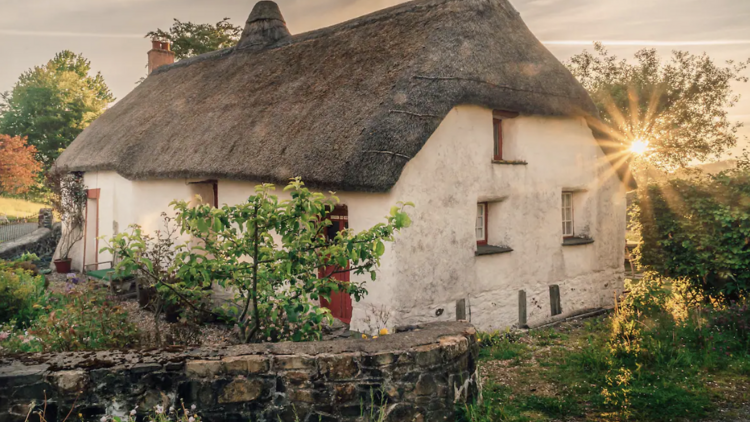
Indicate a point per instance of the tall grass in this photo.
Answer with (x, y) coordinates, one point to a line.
(19, 207)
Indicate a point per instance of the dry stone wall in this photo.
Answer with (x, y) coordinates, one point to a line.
(417, 375)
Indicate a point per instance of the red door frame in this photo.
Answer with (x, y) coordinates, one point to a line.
(91, 194)
(341, 302)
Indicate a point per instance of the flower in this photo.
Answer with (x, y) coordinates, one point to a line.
(159, 409)
(171, 409)
(192, 407)
(132, 412)
(103, 419)
(191, 419)
(383, 332)
(4, 335)
(364, 335)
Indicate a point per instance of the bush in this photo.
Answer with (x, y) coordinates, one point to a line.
(699, 229)
(21, 293)
(83, 318)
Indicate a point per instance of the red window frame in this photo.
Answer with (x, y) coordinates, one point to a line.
(497, 126)
(486, 213)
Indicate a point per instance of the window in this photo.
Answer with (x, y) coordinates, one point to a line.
(498, 139)
(481, 223)
(567, 214)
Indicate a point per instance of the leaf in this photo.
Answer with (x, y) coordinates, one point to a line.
(379, 248)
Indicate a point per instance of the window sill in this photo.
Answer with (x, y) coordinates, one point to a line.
(491, 250)
(576, 241)
(511, 162)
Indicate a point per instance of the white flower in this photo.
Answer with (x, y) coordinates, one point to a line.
(192, 407)
(191, 419)
(103, 419)
(171, 409)
(132, 412)
(159, 409)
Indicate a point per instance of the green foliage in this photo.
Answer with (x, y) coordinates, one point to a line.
(51, 104)
(501, 403)
(679, 107)
(190, 39)
(82, 318)
(21, 293)
(274, 254)
(501, 346)
(699, 229)
(651, 360)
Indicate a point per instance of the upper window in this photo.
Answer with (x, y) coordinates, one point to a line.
(481, 223)
(498, 138)
(567, 214)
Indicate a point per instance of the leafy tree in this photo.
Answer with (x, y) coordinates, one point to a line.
(274, 254)
(51, 104)
(18, 167)
(678, 107)
(191, 39)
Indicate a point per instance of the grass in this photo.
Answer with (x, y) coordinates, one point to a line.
(577, 372)
(18, 207)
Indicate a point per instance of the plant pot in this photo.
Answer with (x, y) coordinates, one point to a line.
(63, 265)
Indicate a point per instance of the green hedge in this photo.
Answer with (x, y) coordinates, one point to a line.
(699, 228)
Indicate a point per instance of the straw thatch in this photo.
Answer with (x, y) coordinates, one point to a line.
(344, 107)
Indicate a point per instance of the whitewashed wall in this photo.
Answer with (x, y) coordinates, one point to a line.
(432, 264)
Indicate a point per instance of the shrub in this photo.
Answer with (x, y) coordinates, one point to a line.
(83, 318)
(278, 256)
(21, 293)
(698, 229)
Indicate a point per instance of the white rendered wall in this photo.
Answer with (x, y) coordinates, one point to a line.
(432, 264)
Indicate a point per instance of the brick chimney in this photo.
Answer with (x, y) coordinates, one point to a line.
(161, 54)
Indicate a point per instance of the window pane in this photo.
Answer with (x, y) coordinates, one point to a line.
(480, 222)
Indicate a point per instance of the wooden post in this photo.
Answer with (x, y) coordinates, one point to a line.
(461, 310)
(554, 300)
(522, 309)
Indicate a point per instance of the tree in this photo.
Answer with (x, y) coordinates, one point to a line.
(51, 104)
(677, 109)
(190, 39)
(18, 167)
(274, 254)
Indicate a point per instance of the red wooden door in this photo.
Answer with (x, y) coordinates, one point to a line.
(341, 303)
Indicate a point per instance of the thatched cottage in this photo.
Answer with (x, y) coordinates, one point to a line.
(451, 104)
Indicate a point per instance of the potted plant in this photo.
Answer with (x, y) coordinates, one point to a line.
(69, 201)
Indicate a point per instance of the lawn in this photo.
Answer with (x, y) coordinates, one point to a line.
(565, 374)
(19, 208)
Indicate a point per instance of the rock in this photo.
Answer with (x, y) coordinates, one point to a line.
(203, 368)
(241, 390)
(70, 381)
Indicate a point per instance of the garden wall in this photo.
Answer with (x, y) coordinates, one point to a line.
(415, 376)
(41, 242)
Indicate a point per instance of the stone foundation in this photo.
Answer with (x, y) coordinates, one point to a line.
(412, 376)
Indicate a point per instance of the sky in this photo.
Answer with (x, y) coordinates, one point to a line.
(110, 32)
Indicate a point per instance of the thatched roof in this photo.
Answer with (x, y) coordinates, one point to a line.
(343, 107)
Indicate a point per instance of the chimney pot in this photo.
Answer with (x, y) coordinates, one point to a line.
(160, 55)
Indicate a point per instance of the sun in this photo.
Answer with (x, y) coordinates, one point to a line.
(639, 146)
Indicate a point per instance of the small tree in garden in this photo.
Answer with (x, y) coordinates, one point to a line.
(18, 167)
(274, 255)
(69, 201)
(153, 258)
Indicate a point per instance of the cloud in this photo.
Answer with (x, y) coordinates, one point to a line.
(66, 34)
(649, 42)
